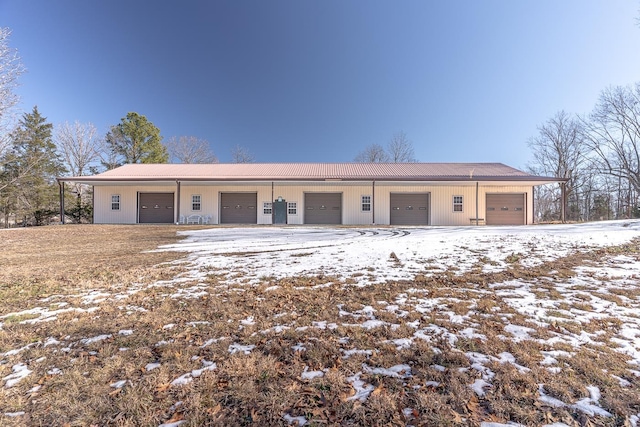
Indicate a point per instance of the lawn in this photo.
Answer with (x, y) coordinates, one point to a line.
(167, 325)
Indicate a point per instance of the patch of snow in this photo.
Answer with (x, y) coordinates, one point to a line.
(362, 390)
(309, 375)
(397, 371)
(299, 421)
(118, 384)
(213, 341)
(479, 386)
(21, 349)
(197, 323)
(34, 389)
(246, 349)
(50, 341)
(519, 333)
(173, 424)
(97, 338)
(299, 347)
(348, 353)
(20, 371)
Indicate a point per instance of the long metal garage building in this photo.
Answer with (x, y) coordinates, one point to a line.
(418, 194)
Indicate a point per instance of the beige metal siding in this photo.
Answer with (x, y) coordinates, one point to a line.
(211, 198)
(441, 203)
(351, 199)
(128, 213)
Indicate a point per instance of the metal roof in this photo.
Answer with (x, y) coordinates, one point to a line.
(312, 172)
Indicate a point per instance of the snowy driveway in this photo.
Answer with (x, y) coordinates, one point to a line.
(375, 254)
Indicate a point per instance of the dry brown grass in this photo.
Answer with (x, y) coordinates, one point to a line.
(63, 264)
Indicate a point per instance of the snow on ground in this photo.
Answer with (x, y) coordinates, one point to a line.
(361, 256)
(372, 255)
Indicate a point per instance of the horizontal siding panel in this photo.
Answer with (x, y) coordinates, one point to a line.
(441, 200)
(128, 213)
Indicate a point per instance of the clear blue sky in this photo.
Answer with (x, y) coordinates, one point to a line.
(317, 81)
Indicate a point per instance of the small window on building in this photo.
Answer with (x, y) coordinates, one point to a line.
(366, 203)
(115, 202)
(292, 208)
(196, 202)
(267, 208)
(457, 203)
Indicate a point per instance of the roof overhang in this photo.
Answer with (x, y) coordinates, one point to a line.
(485, 180)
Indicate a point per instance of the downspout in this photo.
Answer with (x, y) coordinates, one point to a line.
(477, 208)
(373, 202)
(177, 218)
(273, 211)
(61, 184)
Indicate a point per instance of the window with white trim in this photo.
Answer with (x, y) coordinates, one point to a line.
(292, 208)
(365, 203)
(267, 208)
(457, 203)
(115, 202)
(196, 202)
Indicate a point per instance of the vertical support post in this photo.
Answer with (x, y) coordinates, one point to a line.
(477, 202)
(177, 218)
(61, 184)
(563, 201)
(373, 202)
(533, 205)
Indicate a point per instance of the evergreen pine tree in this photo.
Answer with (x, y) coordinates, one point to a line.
(31, 167)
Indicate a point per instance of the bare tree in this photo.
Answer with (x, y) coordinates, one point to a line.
(241, 154)
(558, 151)
(79, 146)
(373, 153)
(400, 149)
(10, 69)
(189, 149)
(613, 133)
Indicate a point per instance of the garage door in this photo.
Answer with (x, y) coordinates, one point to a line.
(323, 208)
(505, 209)
(239, 208)
(155, 208)
(409, 209)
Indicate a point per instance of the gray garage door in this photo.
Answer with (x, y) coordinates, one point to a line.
(505, 209)
(409, 209)
(323, 208)
(239, 208)
(155, 208)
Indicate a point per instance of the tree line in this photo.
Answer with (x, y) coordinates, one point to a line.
(598, 154)
(33, 152)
